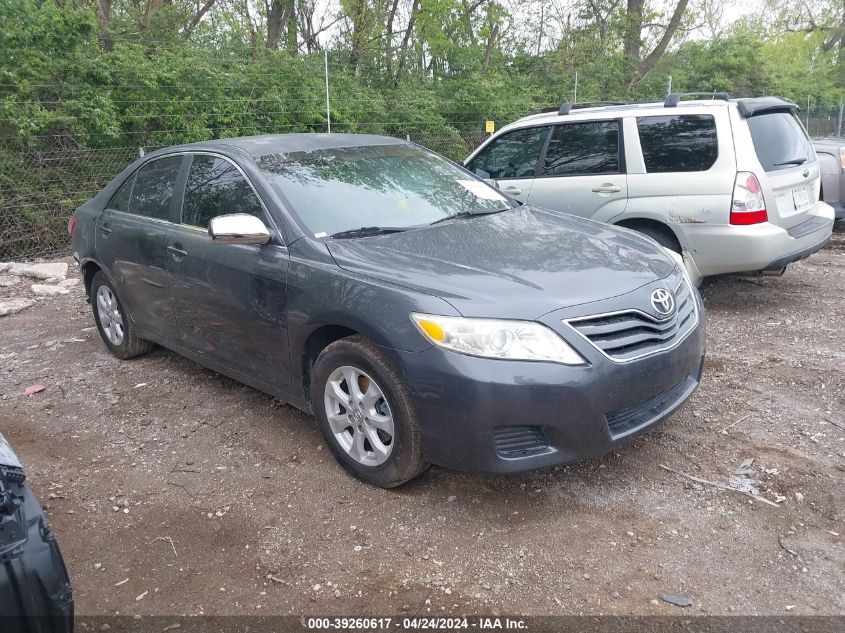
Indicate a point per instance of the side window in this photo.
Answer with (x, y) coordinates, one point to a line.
(154, 186)
(215, 187)
(512, 155)
(679, 142)
(120, 200)
(575, 149)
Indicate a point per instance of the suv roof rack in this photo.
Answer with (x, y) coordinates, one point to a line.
(569, 105)
(674, 98)
(566, 107)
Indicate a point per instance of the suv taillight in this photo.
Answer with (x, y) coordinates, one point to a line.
(747, 206)
(71, 225)
(842, 157)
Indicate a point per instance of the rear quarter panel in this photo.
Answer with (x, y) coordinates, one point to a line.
(681, 200)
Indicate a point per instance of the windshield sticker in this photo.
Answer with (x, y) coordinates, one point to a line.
(483, 191)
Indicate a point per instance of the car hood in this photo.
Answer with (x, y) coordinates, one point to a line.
(518, 264)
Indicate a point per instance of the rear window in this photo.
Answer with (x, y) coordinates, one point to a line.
(678, 142)
(583, 148)
(155, 184)
(780, 140)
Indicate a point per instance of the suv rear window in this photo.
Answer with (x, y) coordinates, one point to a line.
(678, 142)
(780, 140)
(583, 148)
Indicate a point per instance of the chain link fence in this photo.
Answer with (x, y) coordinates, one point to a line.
(40, 188)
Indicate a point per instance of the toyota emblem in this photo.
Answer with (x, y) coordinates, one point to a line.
(662, 301)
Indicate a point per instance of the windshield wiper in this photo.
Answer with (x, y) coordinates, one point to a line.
(366, 231)
(794, 161)
(460, 215)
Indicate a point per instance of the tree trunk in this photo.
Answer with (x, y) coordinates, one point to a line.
(279, 18)
(196, 19)
(654, 56)
(406, 39)
(491, 44)
(633, 30)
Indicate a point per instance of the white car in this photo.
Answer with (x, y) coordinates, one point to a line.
(731, 184)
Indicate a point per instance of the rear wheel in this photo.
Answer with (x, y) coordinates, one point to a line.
(115, 328)
(365, 414)
(660, 234)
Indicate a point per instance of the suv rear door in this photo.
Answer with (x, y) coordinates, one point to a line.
(582, 170)
(791, 179)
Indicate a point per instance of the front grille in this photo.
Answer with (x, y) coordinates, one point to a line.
(624, 421)
(631, 334)
(519, 441)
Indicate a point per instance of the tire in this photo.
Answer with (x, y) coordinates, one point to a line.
(104, 299)
(662, 236)
(381, 419)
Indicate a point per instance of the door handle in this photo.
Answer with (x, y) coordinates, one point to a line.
(607, 187)
(105, 229)
(177, 253)
(513, 191)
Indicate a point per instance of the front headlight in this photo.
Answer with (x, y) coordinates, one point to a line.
(494, 338)
(679, 259)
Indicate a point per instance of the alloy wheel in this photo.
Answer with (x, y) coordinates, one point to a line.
(111, 320)
(359, 416)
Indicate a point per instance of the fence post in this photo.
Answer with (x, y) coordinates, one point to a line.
(839, 122)
(328, 107)
(808, 114)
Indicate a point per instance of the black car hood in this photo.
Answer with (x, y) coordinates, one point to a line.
(518, 264)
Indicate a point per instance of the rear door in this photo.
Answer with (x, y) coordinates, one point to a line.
(511, 159)
(131, 238)
(792, 179)
(230, 300)
(582, 171)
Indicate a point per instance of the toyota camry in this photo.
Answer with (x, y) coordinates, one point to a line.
(421, 315)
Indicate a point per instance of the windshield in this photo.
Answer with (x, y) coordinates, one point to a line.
(780, 140)
(392, 186)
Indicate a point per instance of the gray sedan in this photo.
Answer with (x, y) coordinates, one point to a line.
(421, 315)
(831, 153)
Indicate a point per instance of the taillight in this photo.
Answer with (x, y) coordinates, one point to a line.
(71, 225)
(842, 157)
(747, 206)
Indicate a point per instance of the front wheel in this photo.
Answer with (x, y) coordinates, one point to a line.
(365, 414)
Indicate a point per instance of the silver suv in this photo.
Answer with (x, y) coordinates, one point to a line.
(732, 184)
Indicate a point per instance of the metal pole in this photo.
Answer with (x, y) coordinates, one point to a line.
(669, 88)
(575, 98)
(839, 122)
(328, 106)
(808, 114)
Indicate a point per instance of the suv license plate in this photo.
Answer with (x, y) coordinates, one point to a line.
(800, 198)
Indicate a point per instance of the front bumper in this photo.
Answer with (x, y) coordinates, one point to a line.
(498, 416)
(719, 249)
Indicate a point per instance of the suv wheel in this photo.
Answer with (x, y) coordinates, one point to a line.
(365, 414)
(662, 236)
(117, 331)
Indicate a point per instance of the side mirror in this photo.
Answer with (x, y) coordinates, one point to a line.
(492, 182)
(238, 228)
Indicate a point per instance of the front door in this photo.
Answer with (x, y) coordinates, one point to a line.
(229, 299)
(582, 171)
(131, 239)
(511, 160)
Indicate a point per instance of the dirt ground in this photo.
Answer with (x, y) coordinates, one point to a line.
(174, 490)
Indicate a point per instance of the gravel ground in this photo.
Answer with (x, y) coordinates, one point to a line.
(174, 490)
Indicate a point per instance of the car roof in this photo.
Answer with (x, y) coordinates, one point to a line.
(287, 143)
